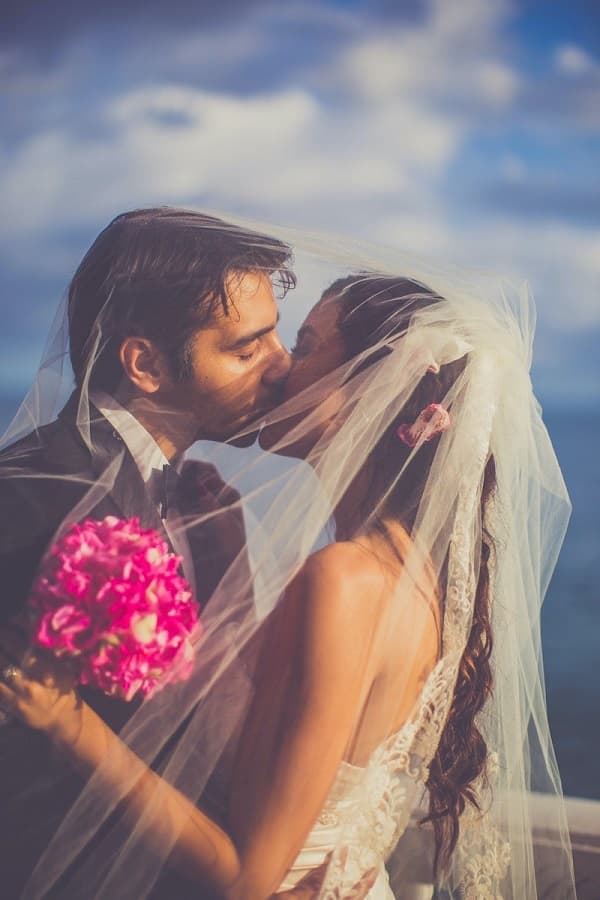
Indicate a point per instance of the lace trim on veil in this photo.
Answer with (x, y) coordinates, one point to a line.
(482, 857)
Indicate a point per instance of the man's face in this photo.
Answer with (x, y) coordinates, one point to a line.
(238, 363)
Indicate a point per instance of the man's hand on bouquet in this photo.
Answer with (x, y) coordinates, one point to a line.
(37, 689)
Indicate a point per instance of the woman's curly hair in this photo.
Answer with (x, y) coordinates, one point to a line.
(371, 309)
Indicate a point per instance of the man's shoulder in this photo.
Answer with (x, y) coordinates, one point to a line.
(53, 447)
(40, 478)
(34, 441)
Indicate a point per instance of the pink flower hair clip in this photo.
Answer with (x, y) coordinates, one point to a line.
(432, 420)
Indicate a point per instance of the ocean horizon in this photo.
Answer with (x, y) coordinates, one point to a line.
(571, 611)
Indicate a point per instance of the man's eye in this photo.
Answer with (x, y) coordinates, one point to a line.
(246, 357)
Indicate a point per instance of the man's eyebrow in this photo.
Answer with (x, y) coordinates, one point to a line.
(252, 336)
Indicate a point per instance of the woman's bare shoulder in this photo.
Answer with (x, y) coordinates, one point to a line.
(335, 602)
(342, 579)
(344, 561)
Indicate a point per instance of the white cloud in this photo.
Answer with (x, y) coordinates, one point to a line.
(451, 58)
(561, 262)
(362, 143)
(57, 174)
(471, 19)
(573, 60)
(273, 152)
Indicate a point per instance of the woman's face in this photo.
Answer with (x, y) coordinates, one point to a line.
(318, 351)
(319, 348)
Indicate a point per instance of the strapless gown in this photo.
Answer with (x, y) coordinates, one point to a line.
(369, 807)
(365, 813)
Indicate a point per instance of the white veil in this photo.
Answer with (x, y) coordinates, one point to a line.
(462, 341)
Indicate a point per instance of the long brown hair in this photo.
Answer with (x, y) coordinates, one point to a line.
(373, 308)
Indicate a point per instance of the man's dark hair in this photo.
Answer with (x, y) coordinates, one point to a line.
(161, 274)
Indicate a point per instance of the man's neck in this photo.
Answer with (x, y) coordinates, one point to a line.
(171, 429)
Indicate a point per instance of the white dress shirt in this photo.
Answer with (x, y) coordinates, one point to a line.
(150, 460)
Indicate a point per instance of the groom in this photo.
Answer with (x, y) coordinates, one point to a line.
(172, 339)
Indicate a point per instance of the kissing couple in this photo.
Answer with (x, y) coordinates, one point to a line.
(358, 525)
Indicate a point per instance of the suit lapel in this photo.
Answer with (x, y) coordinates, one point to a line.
(217, 541)
(126, 494)
(214, 543)
(131, 496)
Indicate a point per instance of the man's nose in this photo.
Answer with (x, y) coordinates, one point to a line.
(278, 366)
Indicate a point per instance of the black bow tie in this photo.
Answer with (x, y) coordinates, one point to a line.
(169, 489)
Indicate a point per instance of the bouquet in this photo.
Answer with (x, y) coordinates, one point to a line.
(110, 599)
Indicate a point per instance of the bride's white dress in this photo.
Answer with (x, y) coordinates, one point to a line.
(368, 809)
(365, 813)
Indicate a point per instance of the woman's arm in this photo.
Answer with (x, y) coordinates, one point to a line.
(333, 677)
(296, 734)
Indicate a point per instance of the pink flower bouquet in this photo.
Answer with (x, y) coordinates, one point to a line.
(109, 597)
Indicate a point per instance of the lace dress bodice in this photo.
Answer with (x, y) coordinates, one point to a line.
(366, 812)
(368, 809)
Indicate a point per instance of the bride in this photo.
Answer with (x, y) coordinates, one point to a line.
(393, 670)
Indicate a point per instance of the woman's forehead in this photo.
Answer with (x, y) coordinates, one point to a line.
(324, 315)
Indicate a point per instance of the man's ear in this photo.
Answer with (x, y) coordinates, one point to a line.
(144, 364)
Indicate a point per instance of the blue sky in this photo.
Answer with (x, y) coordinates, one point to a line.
(467, 131)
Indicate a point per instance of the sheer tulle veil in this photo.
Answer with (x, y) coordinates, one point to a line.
(464, 341)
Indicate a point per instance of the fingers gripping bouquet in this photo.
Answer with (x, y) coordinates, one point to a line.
(110, 600)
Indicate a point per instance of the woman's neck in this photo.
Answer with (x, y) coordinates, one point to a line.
(349, 513)
(388, 538)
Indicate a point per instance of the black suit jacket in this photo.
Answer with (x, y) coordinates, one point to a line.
(44, 478)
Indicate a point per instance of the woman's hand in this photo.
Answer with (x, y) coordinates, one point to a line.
(309, 887)
(38, 690)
